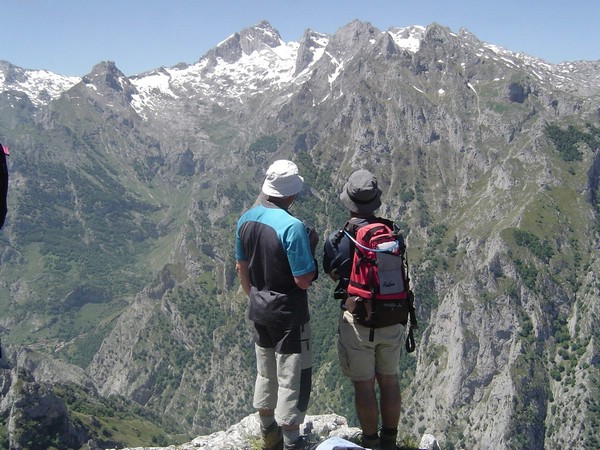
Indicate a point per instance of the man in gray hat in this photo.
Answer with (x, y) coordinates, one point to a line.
(365, 356)
(276, 265)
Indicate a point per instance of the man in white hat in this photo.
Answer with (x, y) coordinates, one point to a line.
(276, 265)
(366, 355)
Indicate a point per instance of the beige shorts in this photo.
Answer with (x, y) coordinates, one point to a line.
(360, 358)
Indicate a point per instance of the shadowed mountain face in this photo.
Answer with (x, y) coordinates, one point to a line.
(117, 257)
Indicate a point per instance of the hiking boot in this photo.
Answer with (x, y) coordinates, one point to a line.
(388, 442)
(370, 443)
(359, 439)
(272, 437)
(302, 444)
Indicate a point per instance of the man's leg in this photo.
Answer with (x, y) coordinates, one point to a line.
(271, 432)
(367, 411)
(357, 361)
(265, 390)
(265, 395)
(365, 401)
(265, 387)
(266, 417)
(294, 372)
(390, 400)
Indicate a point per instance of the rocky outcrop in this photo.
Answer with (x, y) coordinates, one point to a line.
(33, 412)
(245, 435)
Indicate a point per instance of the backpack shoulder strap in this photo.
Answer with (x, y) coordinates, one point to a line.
(348, 227)
(352, 227)
(390, 224)
(349, 231)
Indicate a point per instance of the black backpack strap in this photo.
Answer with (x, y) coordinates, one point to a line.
(339, 235)
(341, 292)
(410, 341)
(412, 323)
(411, 310)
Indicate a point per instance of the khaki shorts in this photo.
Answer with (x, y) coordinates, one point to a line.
(360, 358)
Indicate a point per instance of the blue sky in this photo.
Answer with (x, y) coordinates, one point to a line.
(69, 36)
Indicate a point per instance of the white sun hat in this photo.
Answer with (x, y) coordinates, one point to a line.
(282, 179)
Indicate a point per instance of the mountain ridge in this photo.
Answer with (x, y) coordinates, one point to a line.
(407, 38)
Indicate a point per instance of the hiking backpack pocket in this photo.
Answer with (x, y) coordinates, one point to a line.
(390, 272)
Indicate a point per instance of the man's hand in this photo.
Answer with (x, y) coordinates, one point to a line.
(335, 275)
(242, 270)
(313, 237)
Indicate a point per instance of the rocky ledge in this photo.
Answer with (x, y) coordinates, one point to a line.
(245, 435)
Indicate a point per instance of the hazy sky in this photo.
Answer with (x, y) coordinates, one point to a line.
(69, 37)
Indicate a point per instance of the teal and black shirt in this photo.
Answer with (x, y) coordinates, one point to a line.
(276, 246)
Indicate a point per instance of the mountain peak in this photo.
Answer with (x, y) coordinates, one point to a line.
(246, 42)
(108, 78)
(256, 37)
(103, 69)
(354, 36)
(310, 49)
(266, 28)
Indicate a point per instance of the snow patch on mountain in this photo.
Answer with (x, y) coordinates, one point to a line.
(582, 76)
(408, 38)
(41, 86)
(251, 74)
(321, 40)
(248, 76)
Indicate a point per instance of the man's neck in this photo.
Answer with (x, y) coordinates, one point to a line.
(354, 215)
(283, 203)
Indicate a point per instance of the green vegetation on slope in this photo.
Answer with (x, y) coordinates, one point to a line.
(567, 140)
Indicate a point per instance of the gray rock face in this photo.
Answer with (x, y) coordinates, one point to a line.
(32, 411)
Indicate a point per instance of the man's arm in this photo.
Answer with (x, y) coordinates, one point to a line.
(242, 270)
(304, 281)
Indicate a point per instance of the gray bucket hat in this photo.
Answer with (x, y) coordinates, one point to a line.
(361, 194)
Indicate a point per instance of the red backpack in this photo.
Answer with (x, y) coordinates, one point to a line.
(378, 266)
(379, 277)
